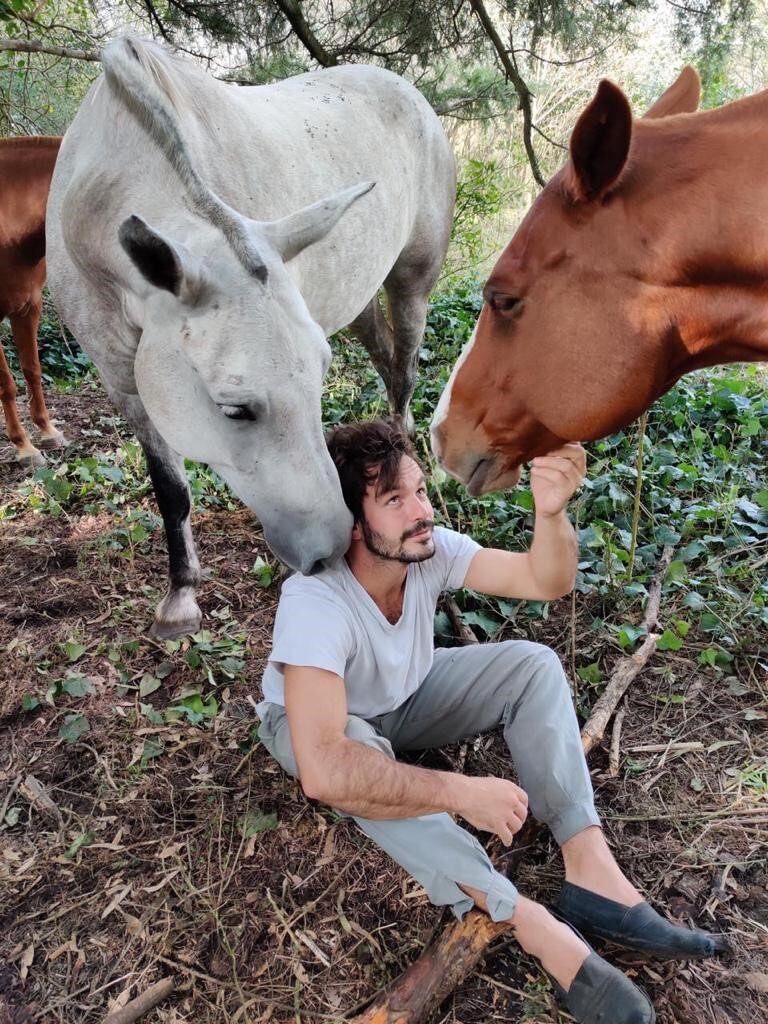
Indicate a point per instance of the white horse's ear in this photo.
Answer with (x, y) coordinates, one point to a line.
(292, 234)
(159, 261)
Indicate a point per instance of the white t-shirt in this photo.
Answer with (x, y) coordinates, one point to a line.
(329, 621)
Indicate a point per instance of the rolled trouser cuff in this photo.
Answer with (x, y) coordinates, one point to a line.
(442, 857)
(500, 894)
(572, 820)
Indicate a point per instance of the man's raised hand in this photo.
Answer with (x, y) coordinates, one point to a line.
(556, 476)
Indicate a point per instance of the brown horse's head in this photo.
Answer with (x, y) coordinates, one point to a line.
(569, 344)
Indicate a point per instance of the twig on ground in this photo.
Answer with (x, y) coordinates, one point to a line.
(630, 667)
(614, 758)
(142, 1004)
(666, 748)
(618, 684)
(458, 625)
(8, 797)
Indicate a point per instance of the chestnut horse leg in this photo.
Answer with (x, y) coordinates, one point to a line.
(25, 338)
(17, 435)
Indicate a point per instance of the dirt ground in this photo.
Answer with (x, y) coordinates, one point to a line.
(204, 863)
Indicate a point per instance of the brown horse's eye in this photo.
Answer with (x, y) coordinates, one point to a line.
(503, 304)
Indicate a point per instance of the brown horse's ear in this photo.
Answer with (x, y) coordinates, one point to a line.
(682, 97)
(600, 143)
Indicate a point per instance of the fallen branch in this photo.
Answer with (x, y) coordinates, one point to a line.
(618, 684)
(667, 748)
(461, 630)
(437, 971)
(614, 758)
(36, 794)
(450, 958)
(630, 667)
(142, 1004)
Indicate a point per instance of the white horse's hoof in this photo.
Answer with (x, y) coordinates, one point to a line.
(177, 615)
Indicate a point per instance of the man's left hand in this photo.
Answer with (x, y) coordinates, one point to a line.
(556, 476)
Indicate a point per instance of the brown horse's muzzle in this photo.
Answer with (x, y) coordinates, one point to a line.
(479, 471)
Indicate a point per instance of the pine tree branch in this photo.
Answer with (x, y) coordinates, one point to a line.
(37, 46)
(295, 17)
(524, 94)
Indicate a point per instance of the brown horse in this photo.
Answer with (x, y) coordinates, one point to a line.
(26, 166)
(642, 259)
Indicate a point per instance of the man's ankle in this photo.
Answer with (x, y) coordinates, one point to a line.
(590, 864)
(556, 946)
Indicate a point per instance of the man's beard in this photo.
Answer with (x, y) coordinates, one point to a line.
(378, 545)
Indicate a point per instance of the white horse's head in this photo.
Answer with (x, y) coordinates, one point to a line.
(230, 364)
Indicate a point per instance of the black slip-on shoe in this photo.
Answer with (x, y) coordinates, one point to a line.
(638, 927)
(601, 994)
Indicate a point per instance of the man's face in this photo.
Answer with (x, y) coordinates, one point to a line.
(397, 525)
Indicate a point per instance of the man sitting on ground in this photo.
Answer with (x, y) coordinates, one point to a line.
(353, 676)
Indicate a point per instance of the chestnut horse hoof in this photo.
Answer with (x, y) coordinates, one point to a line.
(30, 457)
(54, 440)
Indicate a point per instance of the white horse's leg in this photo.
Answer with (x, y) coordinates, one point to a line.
(178, 612)
(376, 336)
(408, 287)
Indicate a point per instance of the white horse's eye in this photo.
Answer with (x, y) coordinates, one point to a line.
(237, 412)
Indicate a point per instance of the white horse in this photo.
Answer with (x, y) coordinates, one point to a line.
(183, 257)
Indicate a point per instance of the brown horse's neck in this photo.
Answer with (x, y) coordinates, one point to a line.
(709, 270)
(26, 168)
(713, 325)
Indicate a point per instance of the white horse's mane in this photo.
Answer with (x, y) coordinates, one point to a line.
(157, 86)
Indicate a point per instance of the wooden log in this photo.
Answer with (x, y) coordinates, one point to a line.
(437, 971)
(143, 1003)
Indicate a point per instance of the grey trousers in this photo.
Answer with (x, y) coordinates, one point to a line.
(470, 690)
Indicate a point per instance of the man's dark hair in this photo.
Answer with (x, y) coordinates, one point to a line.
(367, 452)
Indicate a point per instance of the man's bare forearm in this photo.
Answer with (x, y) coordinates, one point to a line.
(554, 554)
(362, 781)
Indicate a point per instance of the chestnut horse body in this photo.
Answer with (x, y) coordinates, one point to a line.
(26, 167)
(644, 258)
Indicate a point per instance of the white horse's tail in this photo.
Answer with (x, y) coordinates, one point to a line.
(142, 74)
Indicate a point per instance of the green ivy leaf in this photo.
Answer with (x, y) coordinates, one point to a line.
(73, 727)
(77, 686)
(629, 635)
(148, 685)
(677, 570)
(74, 651)
(668, 641)
(153, 717)
(153, 747)
(84, 839)
(253, 822)
(12, 816)
(590, 674)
